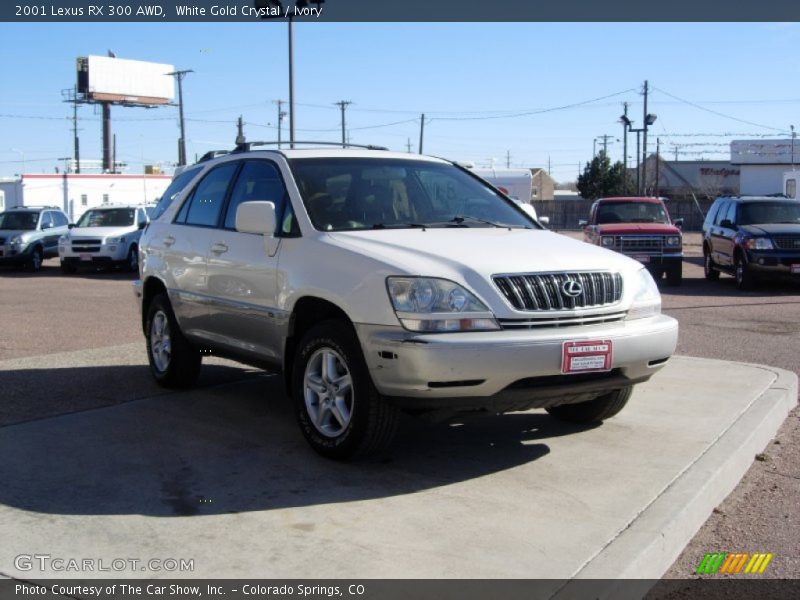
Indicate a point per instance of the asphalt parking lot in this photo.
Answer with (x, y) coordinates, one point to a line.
(48, 316)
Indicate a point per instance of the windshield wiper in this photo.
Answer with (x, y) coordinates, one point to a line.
(459, 219)
(398, 226)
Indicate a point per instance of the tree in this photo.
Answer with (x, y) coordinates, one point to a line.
(601, 179)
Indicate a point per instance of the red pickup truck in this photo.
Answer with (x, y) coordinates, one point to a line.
(640, 228)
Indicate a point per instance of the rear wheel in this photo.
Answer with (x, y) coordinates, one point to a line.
(174, 362)
(601, 408)
(709, 270)
(340, 412)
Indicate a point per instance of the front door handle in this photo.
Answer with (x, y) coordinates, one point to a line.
(219, 248)
(168, 241)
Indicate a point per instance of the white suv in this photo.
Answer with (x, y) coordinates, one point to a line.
(104, 236)
(379, 282)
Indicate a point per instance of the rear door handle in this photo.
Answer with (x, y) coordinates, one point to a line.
(168, 241)
(219, 248)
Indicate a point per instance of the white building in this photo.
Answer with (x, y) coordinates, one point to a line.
(74, 193)
(763, 163)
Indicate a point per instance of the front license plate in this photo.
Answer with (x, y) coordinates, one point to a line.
(795, 268)
(582, 357)
(642, 258)
(86, 257)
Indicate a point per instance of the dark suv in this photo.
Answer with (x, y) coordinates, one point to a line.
(751, 237)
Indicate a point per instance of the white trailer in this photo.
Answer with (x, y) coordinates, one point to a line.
(790, 184)
(517, 184)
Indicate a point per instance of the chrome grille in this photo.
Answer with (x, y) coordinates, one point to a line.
(86, 245)
(537, 322)
(786, 242)
(639, 243)
(543, 291)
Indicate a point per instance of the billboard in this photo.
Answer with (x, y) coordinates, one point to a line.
(118, 80)
(765, 152)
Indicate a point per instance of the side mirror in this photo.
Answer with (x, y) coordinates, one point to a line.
(70, 226)
(727, 224)
(582, 223)
(544, 220)
(142, 224)
(678, 223)
(257, 216)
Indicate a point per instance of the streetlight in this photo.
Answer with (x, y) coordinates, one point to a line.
(649, 119)
(179, 75)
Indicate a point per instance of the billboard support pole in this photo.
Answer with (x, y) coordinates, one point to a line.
(108, 166)
(179, 75)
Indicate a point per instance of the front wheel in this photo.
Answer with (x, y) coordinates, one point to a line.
(711, 273)
(601, 408)
(340, 412)
(174, 362)
(132, 262)
(36, 260)
(745, 280)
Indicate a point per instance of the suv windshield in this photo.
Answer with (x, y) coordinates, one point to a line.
(769, 212)
(108, 217)
(631, 212)
(372, 193)
(19, 221)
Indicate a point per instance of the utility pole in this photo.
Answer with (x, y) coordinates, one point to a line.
(658, 161)
(508, 159)
(240, 131)
(342, 104)
(281, 114)
(625, 124)
(676, 153)
(179, 75)
(793, 136)
(548, 164)
(421, 131)
(638, 165)
(605, 137)
(76, 141)
(408, 145)
(644, 142)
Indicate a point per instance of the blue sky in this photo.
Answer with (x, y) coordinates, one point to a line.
(458, 74)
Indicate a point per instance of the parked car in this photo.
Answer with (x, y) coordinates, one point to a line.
(640, 228)
(752, 237)
(29, 234)
(379, 282)
(104, 236)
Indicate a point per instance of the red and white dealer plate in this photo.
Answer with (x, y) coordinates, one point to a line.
(584, 357)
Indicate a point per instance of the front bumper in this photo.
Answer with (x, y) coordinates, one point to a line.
(505, 368)
(656, 260)
(14, 255)
(774, 262)
(105, 255)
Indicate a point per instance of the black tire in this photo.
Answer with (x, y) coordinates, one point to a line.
(675, 274)
(361, 422)
(179, 365)
(37, 256)
(745, 280)
(68, 268)
(709, 268)
(132, 262)
(601, 408)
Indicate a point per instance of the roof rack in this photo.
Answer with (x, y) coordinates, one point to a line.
(248, 146)
(35, 207)
(212, 154)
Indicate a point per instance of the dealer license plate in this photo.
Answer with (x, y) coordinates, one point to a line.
(583, 357)
(86, 257)
(643, 258)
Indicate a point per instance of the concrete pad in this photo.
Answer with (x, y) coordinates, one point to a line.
(222, 476)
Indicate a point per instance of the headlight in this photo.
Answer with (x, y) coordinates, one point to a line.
(428, 304)
(646, 297)
(115, 240)
(607, 241)
(63, 239)
(16, 240)
(672, 241)
(759, 243)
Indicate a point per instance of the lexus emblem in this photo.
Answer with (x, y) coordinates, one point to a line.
(572, 288)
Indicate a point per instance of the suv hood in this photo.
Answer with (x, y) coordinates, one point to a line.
(10, 233)
(445, 252)
(638, 229)
(771, 229)
(101, 232)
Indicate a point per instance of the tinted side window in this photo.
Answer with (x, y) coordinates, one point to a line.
(60, 219)
(174, 188)
(205, 203)
(258, 180)
(712, 213)
(721, 212)
(47, 220)
(731, 213)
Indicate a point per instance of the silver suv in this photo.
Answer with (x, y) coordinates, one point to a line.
(381, 282)
(29, 234)
(104, 236)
